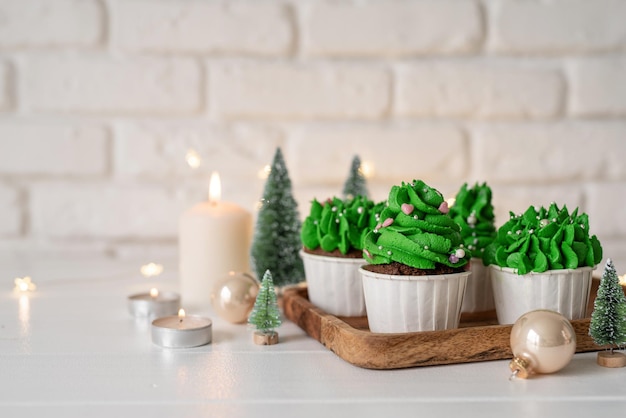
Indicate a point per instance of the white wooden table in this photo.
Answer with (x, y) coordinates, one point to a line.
(72, 349)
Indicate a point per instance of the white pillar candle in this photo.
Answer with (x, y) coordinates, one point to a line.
(214, 239)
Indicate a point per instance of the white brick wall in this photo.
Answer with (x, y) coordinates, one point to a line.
(331, 91)
(390, 28)
(577, 26)
(110, 84)
(6, 81)
(121, 211)
(34, 147)
(11, 219)
(257, 28)
(38, 24)
(478, 88)
(599, 87)
(100, 100)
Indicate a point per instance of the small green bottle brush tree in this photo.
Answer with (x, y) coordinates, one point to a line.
(355, 184)
(608, 320)
(276, 241)
(265, 315)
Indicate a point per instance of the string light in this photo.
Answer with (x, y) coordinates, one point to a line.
(193, 158)
(24, 284)
(151, 270)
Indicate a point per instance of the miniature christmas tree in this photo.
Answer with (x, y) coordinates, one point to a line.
(265, 315)
(276, 240)
(355, 185)
(608, 320)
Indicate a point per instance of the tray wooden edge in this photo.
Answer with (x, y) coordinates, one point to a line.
(395, 351)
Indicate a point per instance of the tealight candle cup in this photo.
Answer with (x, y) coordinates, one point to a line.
(145, 305)
(182, 331)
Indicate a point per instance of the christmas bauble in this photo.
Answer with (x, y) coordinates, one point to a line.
(233, 297)
(542, 341)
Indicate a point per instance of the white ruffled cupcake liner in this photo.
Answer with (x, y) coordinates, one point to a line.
(564, 291)
(413, 303)
(478, 291)
(334, 284)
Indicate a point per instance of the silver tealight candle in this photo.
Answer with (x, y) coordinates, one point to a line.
(154, 304)
(181, 331)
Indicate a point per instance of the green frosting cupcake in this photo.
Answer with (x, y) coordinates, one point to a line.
(339, 224)
(416, 230)
(544, 239)
(473, 211)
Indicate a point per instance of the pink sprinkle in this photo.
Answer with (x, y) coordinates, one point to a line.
(388, 222)
(367, 253)
(453, 259)
(378, 226)
(443, 208)
(407, 208)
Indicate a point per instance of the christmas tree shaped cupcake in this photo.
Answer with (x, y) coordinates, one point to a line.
(417, 273)
(473, 211)
(332, 237)
(543, 259)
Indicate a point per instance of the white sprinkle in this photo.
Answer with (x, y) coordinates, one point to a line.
(359, 209)
(519, 231)
(380, 247)
(415, 217)
(388, 252)
(337, 221)
(334, 209)
(425, 247)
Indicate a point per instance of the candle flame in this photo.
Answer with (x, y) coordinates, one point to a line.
(151, 269)
(367, 169)
(154, 292)
(215, 188)
(451, 201)
(24, 284)
(181, 313)
(193, 158)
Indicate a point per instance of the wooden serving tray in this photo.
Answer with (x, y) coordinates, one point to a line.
(478, 338)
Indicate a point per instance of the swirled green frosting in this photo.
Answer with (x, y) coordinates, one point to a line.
(339, 224)
(473, 211)
(415, 229)
(544, 239)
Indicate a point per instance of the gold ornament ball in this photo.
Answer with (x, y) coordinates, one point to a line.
(233, 297)
(542, 341)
